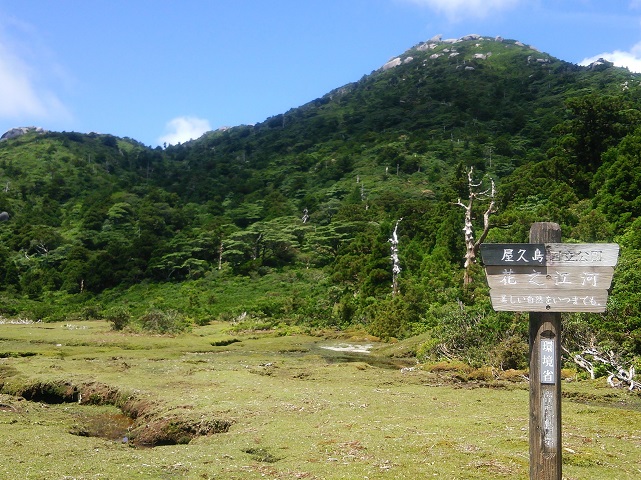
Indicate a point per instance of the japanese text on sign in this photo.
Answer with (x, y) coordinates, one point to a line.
(513, 254)
(549, 421)
(549, 277)
(522, 255)
(545, 300)
(581, 254)
(552, 299)
(547, 361)
(552, 277)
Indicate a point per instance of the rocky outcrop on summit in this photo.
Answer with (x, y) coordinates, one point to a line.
(19, 131)
(600, 64)
(467, 59)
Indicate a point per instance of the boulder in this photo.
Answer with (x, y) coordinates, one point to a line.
(19, 131)
(394, 62)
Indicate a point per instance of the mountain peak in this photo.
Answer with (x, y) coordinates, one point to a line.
(449, 47)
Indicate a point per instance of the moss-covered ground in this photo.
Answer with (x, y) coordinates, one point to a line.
(217, 403)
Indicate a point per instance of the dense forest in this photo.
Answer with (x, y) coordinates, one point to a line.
(287, 224)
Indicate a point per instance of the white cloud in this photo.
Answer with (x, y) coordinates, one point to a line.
(630, 59)
(457, 9)
(182, 129)
(21, 98)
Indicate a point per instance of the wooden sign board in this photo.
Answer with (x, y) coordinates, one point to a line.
(537, 278)
(513, 253)
(581, 254)
(551, 254)
(549, 300)
(554, 277)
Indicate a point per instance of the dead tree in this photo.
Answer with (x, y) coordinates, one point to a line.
(472, 245)
(396, 265)
(618, 375)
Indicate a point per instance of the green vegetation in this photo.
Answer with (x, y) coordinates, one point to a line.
(285, 224)
(280, 406)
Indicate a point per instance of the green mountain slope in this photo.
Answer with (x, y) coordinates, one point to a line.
(288, 221)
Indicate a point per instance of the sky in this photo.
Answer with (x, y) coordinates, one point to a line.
(165, 71)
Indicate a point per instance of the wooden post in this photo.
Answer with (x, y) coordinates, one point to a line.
(545, 379)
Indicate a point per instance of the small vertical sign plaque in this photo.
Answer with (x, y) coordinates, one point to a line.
(548, 427)
(548, 358)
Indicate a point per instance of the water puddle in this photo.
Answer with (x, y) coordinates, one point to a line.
(349, 347)
(104, 422)
(344, 352)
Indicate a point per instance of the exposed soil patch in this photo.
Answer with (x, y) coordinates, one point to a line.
(48, 392)
(225, 342)
(261, 455)
(9, 403)
(175, 430)
(139, 421)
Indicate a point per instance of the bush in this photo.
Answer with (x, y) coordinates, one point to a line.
(511, 353)
(91, 312)
(160, 321)
(119, 317)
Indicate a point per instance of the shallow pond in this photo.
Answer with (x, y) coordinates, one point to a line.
(99, 421)
(345, 352)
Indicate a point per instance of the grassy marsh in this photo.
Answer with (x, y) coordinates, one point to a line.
(279, 407)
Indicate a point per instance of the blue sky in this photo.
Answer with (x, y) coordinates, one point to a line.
(169, 70)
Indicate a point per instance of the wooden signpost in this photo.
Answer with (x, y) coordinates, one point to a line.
(546, 277)
(552, 277)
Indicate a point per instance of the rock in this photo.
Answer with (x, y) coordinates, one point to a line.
(4, 216)
(426, 46)
(472, 36)
(394, 62)
(601, 63)
(19, 131)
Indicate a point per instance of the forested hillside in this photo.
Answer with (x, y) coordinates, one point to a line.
(287, 224)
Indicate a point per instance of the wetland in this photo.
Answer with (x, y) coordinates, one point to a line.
(83, 401)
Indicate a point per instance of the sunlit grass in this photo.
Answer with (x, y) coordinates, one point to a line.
(295, 412)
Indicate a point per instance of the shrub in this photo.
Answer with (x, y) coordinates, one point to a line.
(512, 353)
(90, 312)
(161, 321)
(119, 317)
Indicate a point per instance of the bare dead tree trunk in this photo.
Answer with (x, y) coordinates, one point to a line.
(396, 266)
(472, 245)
